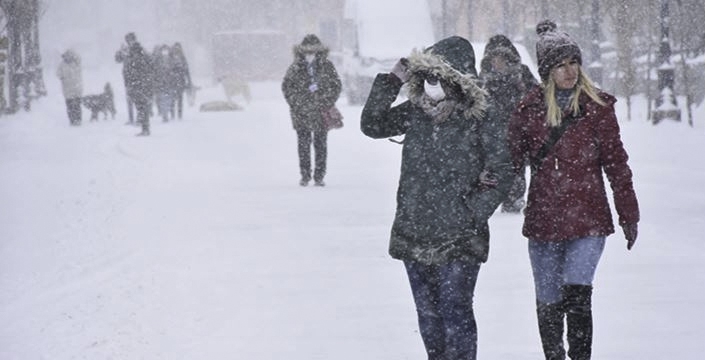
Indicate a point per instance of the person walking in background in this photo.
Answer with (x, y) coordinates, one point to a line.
(182, 79)
(445, 195)
(139, 77)
(568, 132)
(69, 72)
(311, 87)
(506, 80)
(120, 57)
(164, 81)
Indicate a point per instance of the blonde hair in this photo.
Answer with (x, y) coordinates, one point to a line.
(553, 111)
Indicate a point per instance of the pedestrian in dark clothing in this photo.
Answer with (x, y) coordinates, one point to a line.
(69, 72)
(120, 57)
(182, 79)
(164, 81)
(311, 86)
(445, 196)
(506, 80)
(568, 131)
(139, 77)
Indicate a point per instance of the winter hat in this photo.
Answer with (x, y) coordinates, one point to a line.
(499, 45)
(456, 52)
(554, 47)
(311, 44)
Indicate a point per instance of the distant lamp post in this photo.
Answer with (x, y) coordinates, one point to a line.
(595, 66)
(666, 106)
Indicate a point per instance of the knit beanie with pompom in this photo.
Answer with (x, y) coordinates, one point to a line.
(553, 47)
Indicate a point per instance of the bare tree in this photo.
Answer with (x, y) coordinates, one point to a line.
(24, 71)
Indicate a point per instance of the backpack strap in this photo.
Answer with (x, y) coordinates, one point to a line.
(553, 138)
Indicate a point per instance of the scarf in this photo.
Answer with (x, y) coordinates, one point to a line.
(439, 111)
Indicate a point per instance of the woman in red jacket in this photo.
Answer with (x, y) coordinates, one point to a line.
(567, 130)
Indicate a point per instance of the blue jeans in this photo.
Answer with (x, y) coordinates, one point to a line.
(555, 264)
(443, 295)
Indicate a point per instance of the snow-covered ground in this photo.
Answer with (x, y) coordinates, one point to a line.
(198, 243)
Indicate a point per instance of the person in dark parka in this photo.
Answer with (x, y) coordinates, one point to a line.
(182, 79)
(506, 80)
(139, 76)
(444, 198)
(311, 86)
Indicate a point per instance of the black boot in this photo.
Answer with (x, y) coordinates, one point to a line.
(577, 300)
(551, 330)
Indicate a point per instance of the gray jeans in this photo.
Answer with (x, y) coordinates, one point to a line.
(555, 264)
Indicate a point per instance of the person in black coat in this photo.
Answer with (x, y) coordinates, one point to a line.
(139, 77)
(182, 78)
(507, 81)
(444, 198)
(311, 86)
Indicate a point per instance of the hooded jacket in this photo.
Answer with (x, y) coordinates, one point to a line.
(442, 211)
(567, 197)
(306, 106)
(69, 72)
(508, 87)
(139, 76)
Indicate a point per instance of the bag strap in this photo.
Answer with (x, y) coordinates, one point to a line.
(553, 138)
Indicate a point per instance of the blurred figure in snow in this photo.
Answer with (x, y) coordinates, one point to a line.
(69, 72)
(311, 86)
(139, 77)
(506, 80)
(182, 79)
(568, 132)
(445, 196)
(164, 81)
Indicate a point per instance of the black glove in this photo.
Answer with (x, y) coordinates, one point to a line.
(630, 233)
(401, 70)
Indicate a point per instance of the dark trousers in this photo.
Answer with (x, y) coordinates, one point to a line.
(73, 108)
(320, 147)
(130, 109)
(444, 303)
(143, 112)
(178, 103)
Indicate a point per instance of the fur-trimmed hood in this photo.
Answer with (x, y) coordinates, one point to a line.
(311, 44)
(453, 60)
(500, 45)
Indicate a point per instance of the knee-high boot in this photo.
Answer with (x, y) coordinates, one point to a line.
(550, 318)
(577, 300)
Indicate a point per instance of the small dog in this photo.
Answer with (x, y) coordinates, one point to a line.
(100, 103)
(233, 85)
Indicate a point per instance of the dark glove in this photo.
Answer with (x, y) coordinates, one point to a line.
(401, 70)
(630, 233)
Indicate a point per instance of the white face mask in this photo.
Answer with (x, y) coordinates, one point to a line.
(309, 58)
(435, 92)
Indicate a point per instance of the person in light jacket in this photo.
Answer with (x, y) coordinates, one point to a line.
(70, 74)
(567, 216)
(445, 196)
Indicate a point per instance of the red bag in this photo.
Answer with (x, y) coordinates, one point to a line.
(332, 118)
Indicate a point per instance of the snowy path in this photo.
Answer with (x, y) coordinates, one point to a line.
(197, 243)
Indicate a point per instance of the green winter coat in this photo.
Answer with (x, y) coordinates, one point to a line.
(442, 210)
